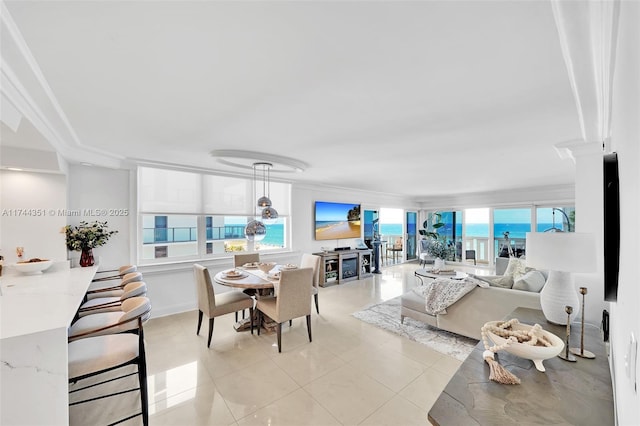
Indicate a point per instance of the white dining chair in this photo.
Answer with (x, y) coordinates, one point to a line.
(98, 351)
(214, 305)
(314, 262)
(292, 301)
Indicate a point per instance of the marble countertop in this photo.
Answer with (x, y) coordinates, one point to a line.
(568, 393)
(36, 303)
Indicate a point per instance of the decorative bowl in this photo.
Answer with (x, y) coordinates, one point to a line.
(266, 266)
(537, 354)
(33, 266)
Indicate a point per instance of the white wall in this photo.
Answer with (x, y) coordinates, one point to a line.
(303, 198)
(105, 194)
(625, 140)
(589, 218)
(44, 197)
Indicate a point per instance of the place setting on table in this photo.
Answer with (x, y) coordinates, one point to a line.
(263, 277)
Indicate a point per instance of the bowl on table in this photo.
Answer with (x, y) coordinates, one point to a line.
(266, 266)
(233, 273)
(288, 266)
(33, 266)
(537, 354)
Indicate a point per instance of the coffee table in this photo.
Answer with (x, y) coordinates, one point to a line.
(426, 273)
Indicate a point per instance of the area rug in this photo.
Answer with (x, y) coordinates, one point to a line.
(386, 315)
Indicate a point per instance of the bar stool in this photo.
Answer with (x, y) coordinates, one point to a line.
(122, 271)
(96, 351)
(103, 323)
(98, 289)
(112, 304)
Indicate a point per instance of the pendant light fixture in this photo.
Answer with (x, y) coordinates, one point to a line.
(268, 212)
(255, 230)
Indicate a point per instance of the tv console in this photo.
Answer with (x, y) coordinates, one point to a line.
(340, 266)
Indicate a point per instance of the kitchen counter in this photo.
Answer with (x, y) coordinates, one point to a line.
(35, 313)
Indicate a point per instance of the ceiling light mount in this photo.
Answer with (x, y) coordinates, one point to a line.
(248, 159)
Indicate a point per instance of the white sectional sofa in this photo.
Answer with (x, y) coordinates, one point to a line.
(468, 315)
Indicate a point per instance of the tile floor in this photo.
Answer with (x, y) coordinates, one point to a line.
(352, 373)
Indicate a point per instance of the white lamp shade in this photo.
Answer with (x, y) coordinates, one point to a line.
(561, 251)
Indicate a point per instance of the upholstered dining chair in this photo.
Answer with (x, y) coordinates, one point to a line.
(312, 261)
(102, 323)
(112, 304)
(293, 300)
(97, 351)
(240, 260)
(215, 305)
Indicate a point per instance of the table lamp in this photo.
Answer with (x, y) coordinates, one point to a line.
(561, 253)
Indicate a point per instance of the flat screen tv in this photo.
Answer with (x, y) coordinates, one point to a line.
(335, 221)
(611, 191)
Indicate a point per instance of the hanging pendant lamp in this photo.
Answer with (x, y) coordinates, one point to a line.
(268, 212)
(255, 230)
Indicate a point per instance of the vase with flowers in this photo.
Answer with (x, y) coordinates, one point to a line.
(440, 250)
(85, 237)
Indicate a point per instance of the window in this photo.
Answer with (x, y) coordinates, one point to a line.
(503, 228)
(187, 215)
(553, 219)
(510, 227)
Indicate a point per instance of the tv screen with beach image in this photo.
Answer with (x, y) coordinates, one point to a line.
(336, 221)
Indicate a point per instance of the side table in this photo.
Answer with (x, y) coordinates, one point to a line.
(575, 393)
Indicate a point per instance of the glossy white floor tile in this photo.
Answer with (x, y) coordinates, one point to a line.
(352, 373)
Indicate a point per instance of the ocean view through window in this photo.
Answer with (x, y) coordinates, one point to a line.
(189, 215)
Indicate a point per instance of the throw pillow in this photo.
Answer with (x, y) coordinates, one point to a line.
(531, 281)
(516, 268)
(505, 281)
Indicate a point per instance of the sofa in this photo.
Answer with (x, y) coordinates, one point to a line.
(473, 310)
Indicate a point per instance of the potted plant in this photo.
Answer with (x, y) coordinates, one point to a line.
(85, 237)
(440, 249)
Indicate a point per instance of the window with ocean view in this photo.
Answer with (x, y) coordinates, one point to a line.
(188, 215)
(495, 232)
(553, 219)
(510, 227)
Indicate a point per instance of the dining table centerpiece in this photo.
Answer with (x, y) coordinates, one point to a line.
(85, 236)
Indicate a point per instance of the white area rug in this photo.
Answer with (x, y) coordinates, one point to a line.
(386, 315)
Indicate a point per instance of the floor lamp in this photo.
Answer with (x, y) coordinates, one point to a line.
(562, 254)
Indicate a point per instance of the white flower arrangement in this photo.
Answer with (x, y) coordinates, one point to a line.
(439, 248)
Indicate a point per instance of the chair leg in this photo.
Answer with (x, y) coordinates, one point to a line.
(210, 332)
(237, 315)
(259, 321)
(199, 321)
(279, 334)
(309, 326)
(315, 297)
(290, 322)
(144, 394)
(250, 318)
(242, 314)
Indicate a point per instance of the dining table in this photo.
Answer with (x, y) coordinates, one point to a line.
(264, 284)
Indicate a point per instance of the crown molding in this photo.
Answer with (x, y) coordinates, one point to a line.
(45, 113)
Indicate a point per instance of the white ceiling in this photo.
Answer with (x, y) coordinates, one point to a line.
(411, 98)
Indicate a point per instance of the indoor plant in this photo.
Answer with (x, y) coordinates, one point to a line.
(440, 249)
(85, 237)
